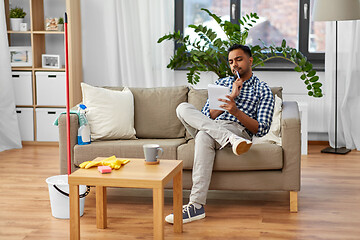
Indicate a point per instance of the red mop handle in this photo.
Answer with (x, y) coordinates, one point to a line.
(67, 99)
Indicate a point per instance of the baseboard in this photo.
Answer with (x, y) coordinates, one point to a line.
(36, 143)
(326, 143)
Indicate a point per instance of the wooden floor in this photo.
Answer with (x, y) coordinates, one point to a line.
(329, 204)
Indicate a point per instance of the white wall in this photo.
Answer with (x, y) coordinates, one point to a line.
(294, 89)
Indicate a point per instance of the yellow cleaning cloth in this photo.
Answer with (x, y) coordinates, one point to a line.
(112, 162)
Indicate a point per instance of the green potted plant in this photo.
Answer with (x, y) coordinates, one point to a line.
(61, 24)
(209, 52)
(17, 15)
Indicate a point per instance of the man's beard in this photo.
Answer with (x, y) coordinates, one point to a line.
(241, 72)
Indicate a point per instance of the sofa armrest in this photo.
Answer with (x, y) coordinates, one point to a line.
(291, 144)
(74, 126)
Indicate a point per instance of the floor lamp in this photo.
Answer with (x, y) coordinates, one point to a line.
(336, 10)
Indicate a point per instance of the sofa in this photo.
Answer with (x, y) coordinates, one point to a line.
(265, 167)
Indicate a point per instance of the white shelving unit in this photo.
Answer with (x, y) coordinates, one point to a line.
(42, 90)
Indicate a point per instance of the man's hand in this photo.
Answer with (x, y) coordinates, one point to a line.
(214, 113)
(237, 85)
(251, 124)
(230, 105)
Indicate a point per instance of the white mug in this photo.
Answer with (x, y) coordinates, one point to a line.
(151, 152)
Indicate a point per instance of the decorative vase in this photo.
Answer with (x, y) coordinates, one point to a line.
(60, 27)
(15, 23)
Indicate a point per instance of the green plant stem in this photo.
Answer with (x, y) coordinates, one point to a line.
(213, 68)
(267, 59)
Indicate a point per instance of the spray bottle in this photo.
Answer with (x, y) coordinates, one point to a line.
(83, 137)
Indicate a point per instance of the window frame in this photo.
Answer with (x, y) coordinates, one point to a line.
(304, 27)
(317, 59)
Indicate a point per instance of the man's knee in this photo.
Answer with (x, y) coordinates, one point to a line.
(181, 108)
(204, 138)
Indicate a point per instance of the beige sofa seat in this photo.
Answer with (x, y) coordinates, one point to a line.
(259, 157)
(125, 149)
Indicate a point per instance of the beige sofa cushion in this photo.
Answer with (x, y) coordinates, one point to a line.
(197, 97)
(124, 149)
(274, 134)
(259, 157)
(110, 113)
(277, 91)
(155, 111)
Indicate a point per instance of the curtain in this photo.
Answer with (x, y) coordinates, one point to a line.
(9, 129)
(348, 129)
(120, 42)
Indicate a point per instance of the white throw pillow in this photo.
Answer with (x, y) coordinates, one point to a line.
(110, 113)
(274, 135)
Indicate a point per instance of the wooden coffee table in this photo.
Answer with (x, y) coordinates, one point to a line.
(135, 174)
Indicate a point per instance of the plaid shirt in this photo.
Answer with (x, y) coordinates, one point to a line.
(255, 100)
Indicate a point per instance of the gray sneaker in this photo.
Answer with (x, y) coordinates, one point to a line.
(239, 145)
(190, 213)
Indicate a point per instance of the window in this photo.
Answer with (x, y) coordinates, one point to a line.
(312, 34)
(279, 19)
(275, 23)
(194, 15)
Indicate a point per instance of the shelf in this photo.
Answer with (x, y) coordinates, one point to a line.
(49, 106)
(38, 69)
(19, 32)
(21, 68)
(50, 69)
(25, 106)
(48, 32)
(36, 32)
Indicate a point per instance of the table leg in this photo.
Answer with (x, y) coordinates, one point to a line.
(74, 212)
(101, 207)
(158, 209)
(178, 202)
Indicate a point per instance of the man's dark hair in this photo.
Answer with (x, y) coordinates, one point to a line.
(246, 49)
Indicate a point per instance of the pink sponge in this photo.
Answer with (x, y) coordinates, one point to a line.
(104, 169)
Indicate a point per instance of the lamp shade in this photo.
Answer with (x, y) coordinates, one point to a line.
(336, 10)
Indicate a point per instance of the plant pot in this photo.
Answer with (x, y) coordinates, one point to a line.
(15, 23)
(60, 27)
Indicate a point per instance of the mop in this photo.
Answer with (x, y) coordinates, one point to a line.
(67, 97)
